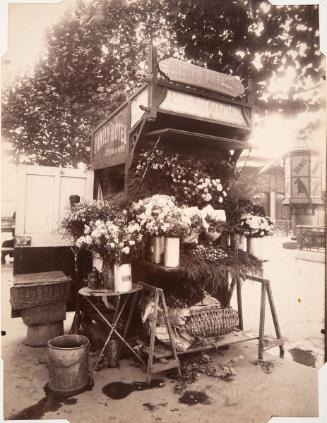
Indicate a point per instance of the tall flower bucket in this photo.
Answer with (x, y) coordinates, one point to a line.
(172, 252)
(123, 277)
(156, 249)
(108, 275)
(255, 247)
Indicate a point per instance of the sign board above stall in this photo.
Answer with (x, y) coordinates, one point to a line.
(111, 139)
(204, 108)
(188, 74)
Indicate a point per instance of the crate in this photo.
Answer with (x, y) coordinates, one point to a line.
(34, 289)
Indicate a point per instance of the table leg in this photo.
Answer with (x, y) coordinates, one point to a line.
(76, 321)
(275, 319)
(262, 319)
(153, 326)
(110, 333)
(231, 290)
(114, 329)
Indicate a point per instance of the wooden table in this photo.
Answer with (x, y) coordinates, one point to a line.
(121, 300)
(236, 336)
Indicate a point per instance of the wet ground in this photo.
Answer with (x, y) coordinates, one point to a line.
(253, 395)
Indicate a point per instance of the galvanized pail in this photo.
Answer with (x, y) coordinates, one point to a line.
(68, 364)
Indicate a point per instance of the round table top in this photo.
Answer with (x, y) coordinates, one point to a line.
(87, 292)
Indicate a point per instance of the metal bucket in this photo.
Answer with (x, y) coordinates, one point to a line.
(68, 364)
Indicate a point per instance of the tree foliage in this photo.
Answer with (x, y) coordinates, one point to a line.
(257, 42)
(95, 57)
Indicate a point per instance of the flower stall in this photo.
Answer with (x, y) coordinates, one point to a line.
(162, 221)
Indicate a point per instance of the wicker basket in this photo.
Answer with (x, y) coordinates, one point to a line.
(211, 321)
(39, 289)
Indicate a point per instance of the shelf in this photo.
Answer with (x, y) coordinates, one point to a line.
(221, 341)
(160, 266)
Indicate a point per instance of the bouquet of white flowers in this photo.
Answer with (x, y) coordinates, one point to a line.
(257, 226)
(117, 240)
(158, 215)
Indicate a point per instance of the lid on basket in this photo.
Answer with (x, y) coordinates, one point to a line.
(41, 278)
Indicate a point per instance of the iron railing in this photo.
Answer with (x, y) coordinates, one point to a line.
(311, 237)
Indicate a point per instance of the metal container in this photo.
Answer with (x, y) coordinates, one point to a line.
(172, 252)
(68, 364)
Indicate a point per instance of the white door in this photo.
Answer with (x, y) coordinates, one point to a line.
(43, 200)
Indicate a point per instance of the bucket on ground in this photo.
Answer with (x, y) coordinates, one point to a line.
(68, 364)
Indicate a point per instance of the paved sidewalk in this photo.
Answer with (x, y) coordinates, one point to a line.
(253, 396)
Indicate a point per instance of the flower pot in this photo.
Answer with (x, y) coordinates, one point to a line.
(255, 247)
(156, 249)
(108, 275)
(192, 237)
(172, 252)
(123, 277)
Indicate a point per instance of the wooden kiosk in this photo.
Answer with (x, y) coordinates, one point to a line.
(201, 115)
(185, 108)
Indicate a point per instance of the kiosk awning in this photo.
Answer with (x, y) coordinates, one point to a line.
(186, 136)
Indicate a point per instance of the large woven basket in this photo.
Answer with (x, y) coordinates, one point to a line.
(36, 289)
(211, 321)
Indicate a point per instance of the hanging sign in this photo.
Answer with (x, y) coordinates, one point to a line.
(196, 76)
(110, 140)
(204, 108)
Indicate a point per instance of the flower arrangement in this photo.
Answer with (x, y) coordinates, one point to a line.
(193, 216)
(213, 220)
(159, 215)
(83, 213)
(187, 178)
(257, 226)
(117, 240)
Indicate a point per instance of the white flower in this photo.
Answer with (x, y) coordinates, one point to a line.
(88, 240)
(125, 250)
(87, 230)
(219, 187)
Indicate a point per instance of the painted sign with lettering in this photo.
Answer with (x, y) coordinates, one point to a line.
(196, 76)
(111, 139)
(300, 165)
(204, 108)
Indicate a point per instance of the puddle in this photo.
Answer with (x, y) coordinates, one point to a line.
(194, 397)
(306, 357)
(120, 390)
(50, 402)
